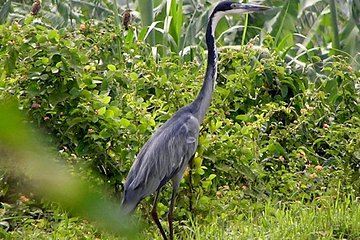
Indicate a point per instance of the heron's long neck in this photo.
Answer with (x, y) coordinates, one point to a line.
(202, 102)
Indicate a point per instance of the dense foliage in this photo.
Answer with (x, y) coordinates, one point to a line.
(276, 129)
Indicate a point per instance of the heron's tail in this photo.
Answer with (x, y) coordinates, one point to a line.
(127, 208)
(129, 204)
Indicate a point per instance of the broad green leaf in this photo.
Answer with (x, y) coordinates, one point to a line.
(111, 67)
(86, 94)
(124, 122)
(101, 111)
(45, 60)
(106, 99)
(53, 34)
(74, 121)
(109, 114)
(198, 162)
(134, 76)
(57, 97)
(74, 92)
(211, 177)
(130, 37)
(242, 117)
(29, 19)
(105, 133)
(115, 110)
(331, 87)
(276, 149)
(200, 171)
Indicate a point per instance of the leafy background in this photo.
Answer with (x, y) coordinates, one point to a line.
(280, 141)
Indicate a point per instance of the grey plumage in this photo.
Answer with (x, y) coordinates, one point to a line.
(166, 155)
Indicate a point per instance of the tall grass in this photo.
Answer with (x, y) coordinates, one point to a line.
(331, 218)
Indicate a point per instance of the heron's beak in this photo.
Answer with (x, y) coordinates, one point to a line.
(252, 7)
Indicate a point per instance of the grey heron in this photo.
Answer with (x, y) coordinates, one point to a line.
(166, 155)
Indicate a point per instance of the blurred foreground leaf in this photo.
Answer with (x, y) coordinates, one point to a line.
(22, 152)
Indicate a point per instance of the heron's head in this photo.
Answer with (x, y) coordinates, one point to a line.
(229, 7)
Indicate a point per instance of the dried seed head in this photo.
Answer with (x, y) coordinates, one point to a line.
(35, 8)
(126, 19)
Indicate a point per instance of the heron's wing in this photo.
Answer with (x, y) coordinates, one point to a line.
(166, 153)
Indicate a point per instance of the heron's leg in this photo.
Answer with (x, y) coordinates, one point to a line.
(191, 162)
(155, 215)
(176, 184)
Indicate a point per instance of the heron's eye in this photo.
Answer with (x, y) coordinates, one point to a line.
(235, 5)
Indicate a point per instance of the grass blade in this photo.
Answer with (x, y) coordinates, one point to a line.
(146, 8)
(285, 21)
(334, 22)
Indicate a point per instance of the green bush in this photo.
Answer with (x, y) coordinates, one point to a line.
(272, 128)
